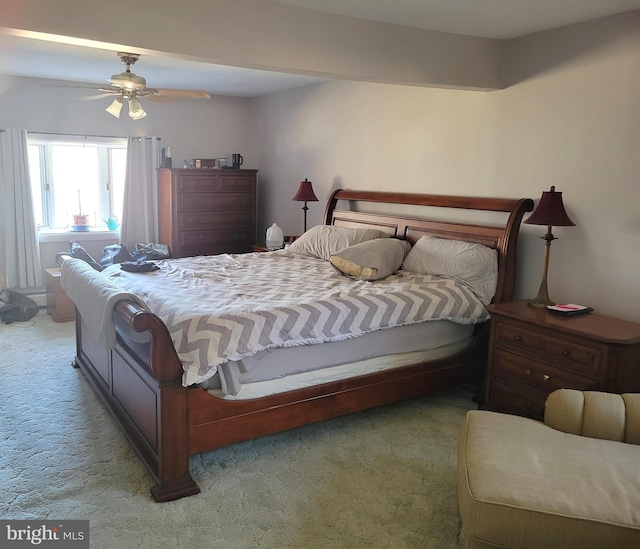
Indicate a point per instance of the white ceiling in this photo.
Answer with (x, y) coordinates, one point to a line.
(502, 19)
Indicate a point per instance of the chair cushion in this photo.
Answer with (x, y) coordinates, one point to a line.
(595, 414)
(523, 484)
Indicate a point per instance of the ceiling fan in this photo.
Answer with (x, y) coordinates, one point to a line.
(129, 86)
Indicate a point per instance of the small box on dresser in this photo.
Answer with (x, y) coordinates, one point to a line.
(206, 211)
(532, 352)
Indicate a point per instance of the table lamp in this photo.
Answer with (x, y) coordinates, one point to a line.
(549, 212)
(305, 194)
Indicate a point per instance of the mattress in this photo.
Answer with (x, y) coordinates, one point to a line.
(336, 373)
(283, 368)
(222, 309)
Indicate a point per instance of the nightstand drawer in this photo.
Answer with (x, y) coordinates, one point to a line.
(569, 352)
(511, 400)
(518, 337)
(538, 375)
(573, 353)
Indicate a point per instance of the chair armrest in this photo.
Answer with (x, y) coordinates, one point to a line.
(595, 414)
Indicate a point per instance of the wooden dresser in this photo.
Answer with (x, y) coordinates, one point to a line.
(206, 212)
(533, 352)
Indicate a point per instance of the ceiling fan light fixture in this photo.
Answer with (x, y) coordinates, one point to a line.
(128, 81)
(135, 109)
(130, 87)
(115, 107)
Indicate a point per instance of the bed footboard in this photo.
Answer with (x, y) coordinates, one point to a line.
(140, 382)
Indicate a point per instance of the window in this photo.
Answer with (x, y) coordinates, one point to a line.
(76, 175)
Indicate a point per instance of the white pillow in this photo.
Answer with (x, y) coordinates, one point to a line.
(475, 264)
(322, 241)
(371, 260)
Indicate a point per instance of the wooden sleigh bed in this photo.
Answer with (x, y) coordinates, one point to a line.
(141, 383)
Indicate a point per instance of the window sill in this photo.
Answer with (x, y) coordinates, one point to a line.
(65, 236)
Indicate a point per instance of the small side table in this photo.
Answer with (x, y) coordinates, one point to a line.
(533, 352)
(59, 306)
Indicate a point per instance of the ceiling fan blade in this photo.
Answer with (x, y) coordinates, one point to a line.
(190, 94)
(160, 98)
(73, 86)
(99, 96)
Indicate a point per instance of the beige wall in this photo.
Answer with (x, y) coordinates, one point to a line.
(192, 128)
(571, 118)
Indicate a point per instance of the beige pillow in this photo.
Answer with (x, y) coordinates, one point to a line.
(322, 241)
(472, 263)
(371, 260)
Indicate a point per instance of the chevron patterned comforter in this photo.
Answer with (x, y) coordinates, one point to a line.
(229, 307)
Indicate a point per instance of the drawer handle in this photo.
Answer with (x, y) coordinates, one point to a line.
(546, 377)
(528, 371)
(566, 352)
(517, 338)
(528, 405)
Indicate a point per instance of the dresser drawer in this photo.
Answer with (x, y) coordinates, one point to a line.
(216, 183)
(215, 202)
(218, 220)
(537, 375)
(236, 183)
(215, 241)
(571, 353)
(512, 400)
(216, 249)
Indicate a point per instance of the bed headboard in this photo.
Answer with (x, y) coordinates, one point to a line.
(504, 238)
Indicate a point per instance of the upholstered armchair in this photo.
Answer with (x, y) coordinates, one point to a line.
(572, 481)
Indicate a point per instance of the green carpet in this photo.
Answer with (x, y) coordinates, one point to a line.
(383, 478)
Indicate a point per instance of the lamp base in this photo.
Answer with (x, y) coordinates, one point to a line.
(542, 298)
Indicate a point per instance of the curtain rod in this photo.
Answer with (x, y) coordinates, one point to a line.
(89, 135)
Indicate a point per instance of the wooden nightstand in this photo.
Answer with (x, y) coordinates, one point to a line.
(533, 352)
(59, 306)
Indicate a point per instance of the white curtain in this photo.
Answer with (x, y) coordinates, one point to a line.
(140, 210)
(20, 261)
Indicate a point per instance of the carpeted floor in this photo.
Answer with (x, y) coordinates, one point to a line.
(384, 478)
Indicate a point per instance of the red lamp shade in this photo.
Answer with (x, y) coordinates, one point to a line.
(550, 211)
(305, 192)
